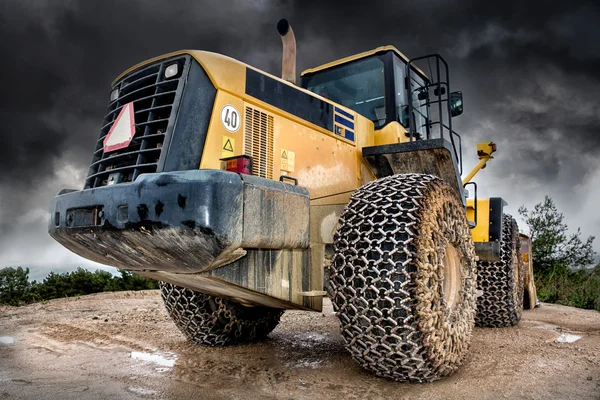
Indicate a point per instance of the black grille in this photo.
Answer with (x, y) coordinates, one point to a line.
(155, 102)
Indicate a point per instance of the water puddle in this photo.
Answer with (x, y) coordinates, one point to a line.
(165, 361)
(142, 391)
(567, 338)
(7, 340)
(309, 339)
(305, 363)
(562, 337)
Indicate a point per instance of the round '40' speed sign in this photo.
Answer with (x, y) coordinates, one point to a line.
(230, 117)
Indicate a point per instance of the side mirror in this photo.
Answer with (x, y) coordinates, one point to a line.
(456, 104)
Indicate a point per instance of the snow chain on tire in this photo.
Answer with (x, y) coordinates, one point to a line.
(501, 303)
(387, 278)
(214, 321)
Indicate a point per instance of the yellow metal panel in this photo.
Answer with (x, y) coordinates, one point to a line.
(481, 233)
(364, 136)
(393, 132)
(216, 139)
(323, 163)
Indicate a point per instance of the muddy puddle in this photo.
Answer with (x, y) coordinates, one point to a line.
(164, 361)
(7, 340)
(567, 338)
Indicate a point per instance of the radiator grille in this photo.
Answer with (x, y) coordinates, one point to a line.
(155, 102)
(258, 141)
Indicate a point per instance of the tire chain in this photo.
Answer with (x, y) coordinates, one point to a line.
(213, 321)
(385, 266)
(501, 303)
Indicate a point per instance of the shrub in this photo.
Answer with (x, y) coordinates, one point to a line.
(15, 288)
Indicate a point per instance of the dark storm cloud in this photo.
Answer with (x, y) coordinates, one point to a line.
(58, 59)
(64, 54)
(528, 71)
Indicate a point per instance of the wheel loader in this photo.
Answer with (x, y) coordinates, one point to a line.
(246, 194)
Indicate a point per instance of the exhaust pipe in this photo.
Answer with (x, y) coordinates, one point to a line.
(288, 60)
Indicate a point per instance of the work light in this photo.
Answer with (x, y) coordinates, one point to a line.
(114, 95)
(171, 70)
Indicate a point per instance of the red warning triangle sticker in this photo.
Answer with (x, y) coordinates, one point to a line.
(122, 131)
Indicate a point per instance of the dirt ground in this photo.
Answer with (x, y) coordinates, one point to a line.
(124, 346)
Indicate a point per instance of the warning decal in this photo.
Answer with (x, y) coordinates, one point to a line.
(287, 160)
(228, 147)
(122, 130)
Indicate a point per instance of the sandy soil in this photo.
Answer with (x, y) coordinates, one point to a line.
(124, 346)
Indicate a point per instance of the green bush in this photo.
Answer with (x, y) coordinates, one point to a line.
(559, 260)
(15, 288)
(572, 288)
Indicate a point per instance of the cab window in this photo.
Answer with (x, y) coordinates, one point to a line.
(401, 102)
(359, 86)
(417, 86)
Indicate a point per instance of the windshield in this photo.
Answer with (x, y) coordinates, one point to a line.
(358, 86)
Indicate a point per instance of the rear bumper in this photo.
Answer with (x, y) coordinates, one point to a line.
(183, 222)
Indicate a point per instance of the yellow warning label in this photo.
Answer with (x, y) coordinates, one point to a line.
(228, 148)
(288, 159)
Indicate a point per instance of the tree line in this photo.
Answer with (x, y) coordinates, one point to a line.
(561, 262)
(16, 289)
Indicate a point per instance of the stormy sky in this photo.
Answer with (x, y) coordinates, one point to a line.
(529, 72)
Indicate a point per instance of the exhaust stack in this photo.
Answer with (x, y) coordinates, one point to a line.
(288, 60)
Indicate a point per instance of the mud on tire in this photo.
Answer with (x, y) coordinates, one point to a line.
(390, 278)
(502, 282)
(214, 321)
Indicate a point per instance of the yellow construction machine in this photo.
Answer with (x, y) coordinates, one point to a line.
(246, 194)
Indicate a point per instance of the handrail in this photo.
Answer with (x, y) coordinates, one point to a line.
(438, 83)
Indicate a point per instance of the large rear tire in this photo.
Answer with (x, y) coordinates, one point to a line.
(502, 282)
(403, 278)
(214, 321)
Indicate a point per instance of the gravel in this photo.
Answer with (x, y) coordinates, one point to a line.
(123, 345)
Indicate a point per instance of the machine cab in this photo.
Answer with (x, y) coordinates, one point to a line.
(375, 85)
(388, 88)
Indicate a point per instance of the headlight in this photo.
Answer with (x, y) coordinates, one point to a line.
(114, 95)
(171, 71)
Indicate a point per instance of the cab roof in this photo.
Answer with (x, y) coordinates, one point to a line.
(378, 50)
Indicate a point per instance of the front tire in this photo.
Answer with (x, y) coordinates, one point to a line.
(214, 321)
(403, 278)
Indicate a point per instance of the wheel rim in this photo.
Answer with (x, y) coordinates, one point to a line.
(452, 276)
